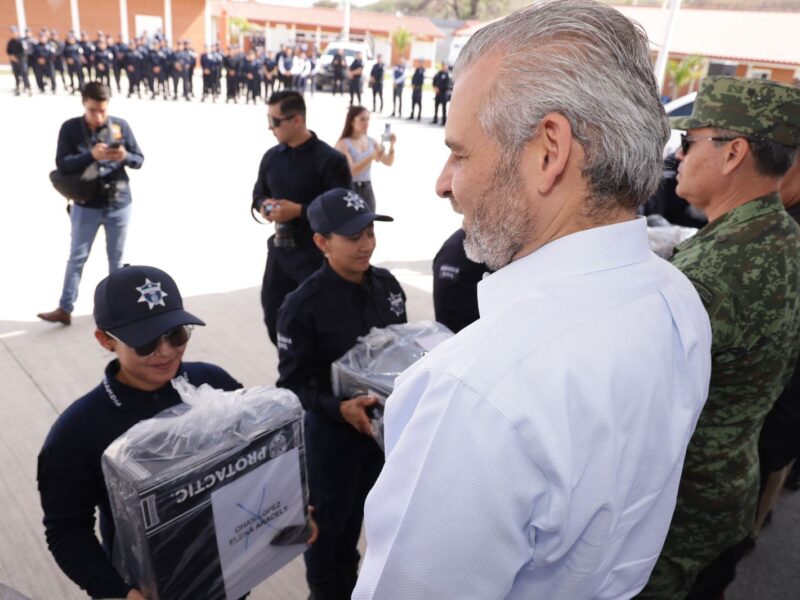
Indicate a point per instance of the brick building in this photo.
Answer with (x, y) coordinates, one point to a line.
(178, 19)
(318, 26)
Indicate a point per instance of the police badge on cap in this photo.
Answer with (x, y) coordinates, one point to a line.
(341, 211)
(137, 304)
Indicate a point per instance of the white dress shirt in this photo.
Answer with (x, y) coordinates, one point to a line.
(537, 454)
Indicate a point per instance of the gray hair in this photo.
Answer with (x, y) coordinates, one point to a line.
(585, 61)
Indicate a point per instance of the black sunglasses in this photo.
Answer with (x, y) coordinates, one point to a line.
(174, 337)
(687, 141)
(276, 121)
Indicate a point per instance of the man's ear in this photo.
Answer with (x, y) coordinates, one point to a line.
(735, 154)
(105, 340)
(552, 145)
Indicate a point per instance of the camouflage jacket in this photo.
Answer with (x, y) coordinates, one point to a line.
(746, 267)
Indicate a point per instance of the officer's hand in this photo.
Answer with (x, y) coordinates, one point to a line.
(313, 526)
(285, 210)
(117, 154)
(354, 412)
(100, 151)
(135, 595)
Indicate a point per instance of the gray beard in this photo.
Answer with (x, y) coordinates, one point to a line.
(501, 224)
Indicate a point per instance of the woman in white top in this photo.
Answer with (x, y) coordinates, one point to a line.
(361, 150)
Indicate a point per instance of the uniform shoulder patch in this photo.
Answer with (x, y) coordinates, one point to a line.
(711, 298)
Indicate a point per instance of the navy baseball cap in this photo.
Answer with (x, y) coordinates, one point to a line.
(341, 211)
(137, 304)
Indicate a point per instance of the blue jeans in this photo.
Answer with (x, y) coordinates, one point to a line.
(85, 223)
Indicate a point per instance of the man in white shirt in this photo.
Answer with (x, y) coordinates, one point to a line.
(537, 454)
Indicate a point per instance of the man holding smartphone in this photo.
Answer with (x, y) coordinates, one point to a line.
(96, 146)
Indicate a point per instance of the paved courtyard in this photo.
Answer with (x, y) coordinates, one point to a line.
(191, 217)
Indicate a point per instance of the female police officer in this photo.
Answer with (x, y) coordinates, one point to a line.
(317, 324)
(140, 317)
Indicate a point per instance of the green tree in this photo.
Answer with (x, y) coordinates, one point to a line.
(401, 40)
(240, 25)
(688, 70)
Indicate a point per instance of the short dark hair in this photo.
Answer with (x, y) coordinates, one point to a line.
(96, 90)
(290, 102)
(771, 158)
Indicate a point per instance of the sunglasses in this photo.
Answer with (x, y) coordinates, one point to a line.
(687, 141)
(174, 337)
(276, 121)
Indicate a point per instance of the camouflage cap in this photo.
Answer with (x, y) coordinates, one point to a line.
(753, 107)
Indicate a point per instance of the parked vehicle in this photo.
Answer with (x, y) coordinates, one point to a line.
(680, 107)
(325, 76)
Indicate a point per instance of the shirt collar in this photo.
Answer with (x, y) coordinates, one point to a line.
(335, 280)
(122, 396)
(587, 251)
(307, 144)
(759, 207)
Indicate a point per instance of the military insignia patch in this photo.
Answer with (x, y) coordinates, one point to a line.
(396, 304)
(152, 293)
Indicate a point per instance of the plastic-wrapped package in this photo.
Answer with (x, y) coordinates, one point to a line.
(371, 366)
(209, 497)
(664, 239)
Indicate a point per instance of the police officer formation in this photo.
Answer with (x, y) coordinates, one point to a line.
(150, 65)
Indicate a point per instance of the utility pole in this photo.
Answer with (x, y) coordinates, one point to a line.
(663, 55)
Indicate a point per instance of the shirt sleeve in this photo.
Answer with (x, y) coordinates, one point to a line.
(431, 536)
(66, 491)
(261, 189)
(135, 157)
(337, 172)
(296, 366)
(69, 157)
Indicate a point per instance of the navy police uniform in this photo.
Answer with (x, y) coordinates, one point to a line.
(71, 482)
(376, 83)
(417, 81)
(298, 174)
(18, 51)
(441, 85)
(317, 324)
(455, 284)
(73, 56)
(354, 73)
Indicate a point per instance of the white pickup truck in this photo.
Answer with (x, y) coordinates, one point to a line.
(325, 70)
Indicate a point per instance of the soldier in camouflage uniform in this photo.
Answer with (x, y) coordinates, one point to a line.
(745, 264)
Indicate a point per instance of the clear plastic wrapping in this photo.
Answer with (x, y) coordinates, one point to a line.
(371, 366)
(663, 239)
(209, 497)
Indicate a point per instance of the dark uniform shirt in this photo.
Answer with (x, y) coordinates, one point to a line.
(377, 75)
(418, 78)
(71, 482)
(73, 54)
(15, 48)
(455, 284)
(356, 65)
(441, 83)
(300, 174)
(321, 320)
(338, 64)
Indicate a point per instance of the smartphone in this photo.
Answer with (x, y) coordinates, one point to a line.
(115, 144)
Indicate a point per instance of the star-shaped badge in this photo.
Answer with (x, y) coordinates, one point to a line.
(152, 293)
(396, 304)
(355, 201)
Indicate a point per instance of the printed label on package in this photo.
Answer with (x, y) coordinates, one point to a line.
(259, 521)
